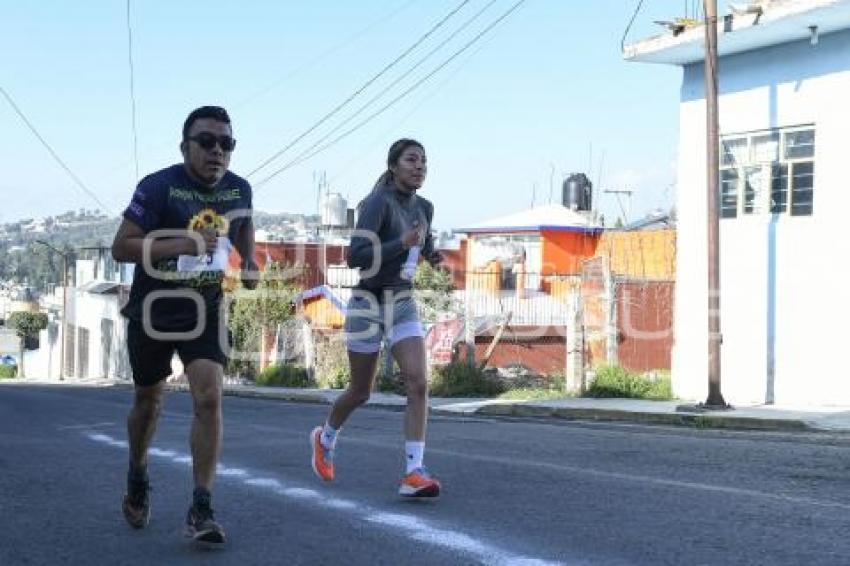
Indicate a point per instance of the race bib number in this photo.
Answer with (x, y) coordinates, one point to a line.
(216, 261)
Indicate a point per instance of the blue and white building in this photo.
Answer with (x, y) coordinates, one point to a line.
(784, 79)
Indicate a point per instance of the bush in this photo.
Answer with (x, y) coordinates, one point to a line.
(8, 371)
(392, 381)
(335, 378)
(284, 375)
(28, 324)
(332, 370)
(518, 376)
(618, 382)
(433, 292)
(460, 380)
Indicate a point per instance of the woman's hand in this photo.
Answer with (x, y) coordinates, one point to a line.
(412, 237)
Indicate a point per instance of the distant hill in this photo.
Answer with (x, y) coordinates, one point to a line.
(24, 260)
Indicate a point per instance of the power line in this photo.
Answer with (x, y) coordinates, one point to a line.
(132, 90)
(387, 106)
(50, 149)
(366, 85)
(310, 63)
(410, 113)
(406, 74)
(629, 27)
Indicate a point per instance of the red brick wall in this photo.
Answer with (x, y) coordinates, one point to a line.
(315, 255)
(311, 256)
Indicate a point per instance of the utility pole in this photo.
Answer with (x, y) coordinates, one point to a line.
(551, 181)
(64, 316)
(468, 329)
(715, 398)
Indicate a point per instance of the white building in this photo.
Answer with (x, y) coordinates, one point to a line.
(784, 77)
(95, 346)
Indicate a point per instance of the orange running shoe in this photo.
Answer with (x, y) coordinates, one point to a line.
(323, 458)
(419, 483)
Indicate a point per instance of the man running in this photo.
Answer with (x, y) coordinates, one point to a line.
(178, 230)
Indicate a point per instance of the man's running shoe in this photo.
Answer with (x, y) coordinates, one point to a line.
(419, 483)
(137, 503)
(202, 527)
(323, 458)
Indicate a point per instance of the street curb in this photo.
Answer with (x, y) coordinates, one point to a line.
(236, 391)
(693, 420)
(494, 408)
(265, 394)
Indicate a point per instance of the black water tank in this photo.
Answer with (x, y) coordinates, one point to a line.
(578, 192)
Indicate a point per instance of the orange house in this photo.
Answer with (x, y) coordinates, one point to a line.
(323, 308)
(531, 248)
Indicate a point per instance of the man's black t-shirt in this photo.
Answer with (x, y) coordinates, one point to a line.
(170, 200)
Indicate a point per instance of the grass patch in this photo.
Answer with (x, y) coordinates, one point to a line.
(618, 382)
(8, 371)
(533, 394)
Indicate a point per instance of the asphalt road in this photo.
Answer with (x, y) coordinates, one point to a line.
(515, 492)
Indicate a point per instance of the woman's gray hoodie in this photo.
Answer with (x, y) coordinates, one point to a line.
(388, 213)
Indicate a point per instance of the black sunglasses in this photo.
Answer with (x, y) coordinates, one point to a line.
(207, 141)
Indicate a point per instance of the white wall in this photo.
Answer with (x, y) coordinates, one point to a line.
(85, 310)
(800, 258)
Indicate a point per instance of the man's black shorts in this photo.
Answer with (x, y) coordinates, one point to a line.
(150, 359)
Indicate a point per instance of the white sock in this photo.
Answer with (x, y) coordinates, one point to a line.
(414, 452)
(328, 437)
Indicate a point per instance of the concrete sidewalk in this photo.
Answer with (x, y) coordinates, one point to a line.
(683, 413)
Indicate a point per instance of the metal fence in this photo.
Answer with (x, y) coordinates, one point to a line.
(533, 298)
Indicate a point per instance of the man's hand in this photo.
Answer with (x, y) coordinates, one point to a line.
(250, 274)
(207, 246)
(435, 258)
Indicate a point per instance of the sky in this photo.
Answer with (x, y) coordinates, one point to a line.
(543, 94)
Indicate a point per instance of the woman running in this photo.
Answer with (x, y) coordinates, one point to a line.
(393, 231)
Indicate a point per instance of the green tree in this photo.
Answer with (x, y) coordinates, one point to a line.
(433, 290)
(270, 304)
(27, 325)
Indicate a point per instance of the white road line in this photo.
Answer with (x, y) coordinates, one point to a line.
(413, 527)
(225, 471)
(106, 439)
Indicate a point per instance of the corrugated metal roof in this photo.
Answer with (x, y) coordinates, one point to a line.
(553, 217)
